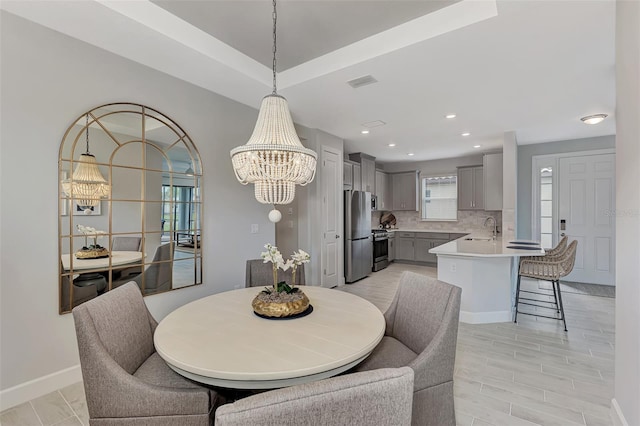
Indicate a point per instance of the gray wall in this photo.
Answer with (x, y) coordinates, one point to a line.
(627, 379)
(525, 155)
(47, 81)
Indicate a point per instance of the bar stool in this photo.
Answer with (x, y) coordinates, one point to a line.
(551, 269)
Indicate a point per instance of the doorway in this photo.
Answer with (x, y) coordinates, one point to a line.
(331, 252)
(574, 195)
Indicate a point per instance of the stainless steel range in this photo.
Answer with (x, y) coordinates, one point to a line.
(380, 249)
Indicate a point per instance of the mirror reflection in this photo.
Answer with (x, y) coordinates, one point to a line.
(129, 204)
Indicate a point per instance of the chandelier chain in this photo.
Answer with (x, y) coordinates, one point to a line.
(87, 131)
(275, 19)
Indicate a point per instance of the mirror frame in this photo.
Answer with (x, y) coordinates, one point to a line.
(101, 118)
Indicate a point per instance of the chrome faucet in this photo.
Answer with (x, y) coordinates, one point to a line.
(495, 225)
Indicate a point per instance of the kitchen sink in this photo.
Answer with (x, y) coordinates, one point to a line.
(478, 239)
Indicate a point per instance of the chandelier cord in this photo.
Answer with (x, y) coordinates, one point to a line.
(87, 132)
(275, 19)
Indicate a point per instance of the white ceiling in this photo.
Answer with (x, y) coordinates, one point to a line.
(534, 67)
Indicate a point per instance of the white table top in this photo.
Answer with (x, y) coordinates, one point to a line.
(479, 248)
(220, 341)
(117, 258)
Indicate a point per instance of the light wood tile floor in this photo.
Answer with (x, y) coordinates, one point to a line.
(530, 373)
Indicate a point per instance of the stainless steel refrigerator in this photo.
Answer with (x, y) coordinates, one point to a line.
(358, 239)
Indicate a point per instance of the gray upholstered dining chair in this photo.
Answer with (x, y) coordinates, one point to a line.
(121, 243)
(158, 276)
(125, 380)
(380, 397)
(421, 332)
(260, 274)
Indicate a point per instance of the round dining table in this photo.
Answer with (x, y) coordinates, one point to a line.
(115, 258)
(218, 340)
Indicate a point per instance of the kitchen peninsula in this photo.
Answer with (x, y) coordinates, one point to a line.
(486, 271)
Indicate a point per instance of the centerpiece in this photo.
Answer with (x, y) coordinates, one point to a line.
(93, 251)
(282, 300)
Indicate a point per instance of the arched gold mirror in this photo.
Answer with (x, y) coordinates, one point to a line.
(130, 204)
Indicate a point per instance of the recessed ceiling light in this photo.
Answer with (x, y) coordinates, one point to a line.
(476, 146)
(410, 154)
(392, 145)
(593, 119)
(364, 132)
(466, 134)
(450, 116)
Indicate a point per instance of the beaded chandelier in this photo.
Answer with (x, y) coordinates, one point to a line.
(274, 159)
(86, 184)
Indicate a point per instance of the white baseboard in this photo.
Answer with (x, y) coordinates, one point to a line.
(485, 317)
(35, 388)
(616, 414)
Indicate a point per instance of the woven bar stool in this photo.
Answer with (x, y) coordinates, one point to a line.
(546, 269)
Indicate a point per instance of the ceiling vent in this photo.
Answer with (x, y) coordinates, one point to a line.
(372, 124)
(362, 81)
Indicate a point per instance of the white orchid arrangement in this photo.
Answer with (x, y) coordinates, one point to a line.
(274, 256)
(89, 231)
(298, 258)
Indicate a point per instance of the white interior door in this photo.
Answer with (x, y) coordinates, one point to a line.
(586, 203)
(331, 243)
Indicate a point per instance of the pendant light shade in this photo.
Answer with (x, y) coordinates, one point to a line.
(274, 159)
(86, 184)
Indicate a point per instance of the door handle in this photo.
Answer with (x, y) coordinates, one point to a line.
(337, 236)
(562, 235)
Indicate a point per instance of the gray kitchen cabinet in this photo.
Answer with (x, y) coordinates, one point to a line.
(392, 247)
(367, 171)
(347, 177)
(492, 171)
(405, 191)
(357, 181)
(383, 190)
(426, 241)
(470, 188)
(422, 250)
(405, 247)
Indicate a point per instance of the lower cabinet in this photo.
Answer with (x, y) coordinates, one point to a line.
(405, 248)
(392, 249)
(415, 246)
(422, 250)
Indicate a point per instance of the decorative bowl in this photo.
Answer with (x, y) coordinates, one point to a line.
(278, 305)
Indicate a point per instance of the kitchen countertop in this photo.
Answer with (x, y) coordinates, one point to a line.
(442, 231)
(478, 248)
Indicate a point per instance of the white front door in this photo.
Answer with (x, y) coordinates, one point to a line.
(331, 242)
(586, 204)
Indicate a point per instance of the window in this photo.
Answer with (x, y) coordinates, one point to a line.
(546, 207)
(440, 198)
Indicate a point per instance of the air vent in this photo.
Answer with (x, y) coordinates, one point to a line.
(362, 81)
(372, 124)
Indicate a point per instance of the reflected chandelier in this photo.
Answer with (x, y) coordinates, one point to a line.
(274, 159)
(86, 184)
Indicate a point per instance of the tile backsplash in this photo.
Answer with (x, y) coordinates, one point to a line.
(468, 221)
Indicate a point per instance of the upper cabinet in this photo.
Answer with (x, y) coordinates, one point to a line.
(470, 188)
(347, 177)
(492, 181)
(383, 190)
(367, 172)
(405, 191)
(357, 180)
